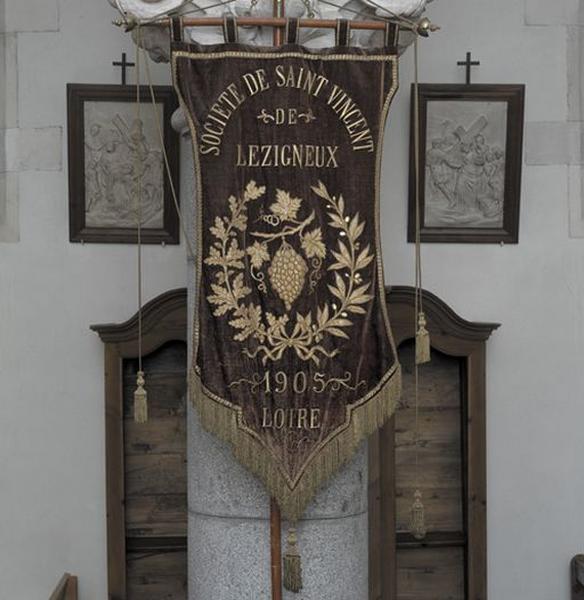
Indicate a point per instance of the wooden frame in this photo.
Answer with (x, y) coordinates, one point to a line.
(454, 158)
(164, 319)
(577, 577)
(451, 335)
(77, 96)
(66, 588)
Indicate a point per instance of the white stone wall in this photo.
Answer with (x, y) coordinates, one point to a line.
(560, 142)
(52, 485)
(52, 510)
(535, 289)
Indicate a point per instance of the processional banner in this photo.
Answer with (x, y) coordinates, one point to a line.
(293, 357)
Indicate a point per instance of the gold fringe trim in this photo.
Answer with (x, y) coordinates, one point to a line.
(221, 420)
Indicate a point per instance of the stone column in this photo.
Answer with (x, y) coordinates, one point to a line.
(229, 533)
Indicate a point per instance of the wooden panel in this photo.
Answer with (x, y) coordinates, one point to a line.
(156, 515)
(458, 386)
(155, 452)
(157, 575)
(66, 588)
(155, 474)
(440, 456)
(147, 459)
(382, 523)
(577, 577)
(157, 436)
(155, 478)
(114, 448)
(165, 396)
(430, 574)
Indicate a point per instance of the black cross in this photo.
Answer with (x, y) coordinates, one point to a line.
(469, 64)
(124, 64)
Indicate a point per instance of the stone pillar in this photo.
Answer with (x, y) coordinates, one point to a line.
(229, 533)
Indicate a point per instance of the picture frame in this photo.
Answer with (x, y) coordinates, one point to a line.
(470, 164)
(112, 155)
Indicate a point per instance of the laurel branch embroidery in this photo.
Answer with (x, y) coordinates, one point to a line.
(274, 334)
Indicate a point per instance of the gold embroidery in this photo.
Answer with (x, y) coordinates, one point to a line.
(274, 334)
(287, 155)
(281, 381)
(286, 116)
(225, 418)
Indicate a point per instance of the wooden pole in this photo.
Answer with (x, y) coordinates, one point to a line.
(278, 12)
(275, 515)
(278, 22)
(276, 549)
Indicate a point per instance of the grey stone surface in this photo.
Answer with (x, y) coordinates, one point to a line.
(36, 149)
(9, 207)
(334, 559)
(211, 483)
(179, 123)
(576, 200)
(575, 79)
(218, 484)
(29, 15)
(552, 12)
(576, 117)
(229, 559)
(229, 538)
(8, 81)
(553, 143)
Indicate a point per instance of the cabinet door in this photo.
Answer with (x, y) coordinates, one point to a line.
(433, 569)
(451, 562)
(155, 478)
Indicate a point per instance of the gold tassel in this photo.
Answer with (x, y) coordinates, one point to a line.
(292, 564)
(422, 341)
(140, 400)
(418, 517)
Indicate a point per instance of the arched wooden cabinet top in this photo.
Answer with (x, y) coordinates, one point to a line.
(165, 317)
(444, 324)
(164, 322)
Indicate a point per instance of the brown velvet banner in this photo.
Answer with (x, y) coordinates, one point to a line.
(294, 363)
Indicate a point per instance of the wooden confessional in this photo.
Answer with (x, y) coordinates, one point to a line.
(146, 474)
(451, 562)
(146, 464)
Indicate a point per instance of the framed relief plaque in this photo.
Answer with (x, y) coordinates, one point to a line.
(113, 154)
(471, 141)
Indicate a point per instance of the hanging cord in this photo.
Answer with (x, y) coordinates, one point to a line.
(175, 202)
(422, 336)
(422, 354)
(140, 395)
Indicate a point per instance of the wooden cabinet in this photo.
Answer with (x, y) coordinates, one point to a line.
(146, 463)
(450, 564)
